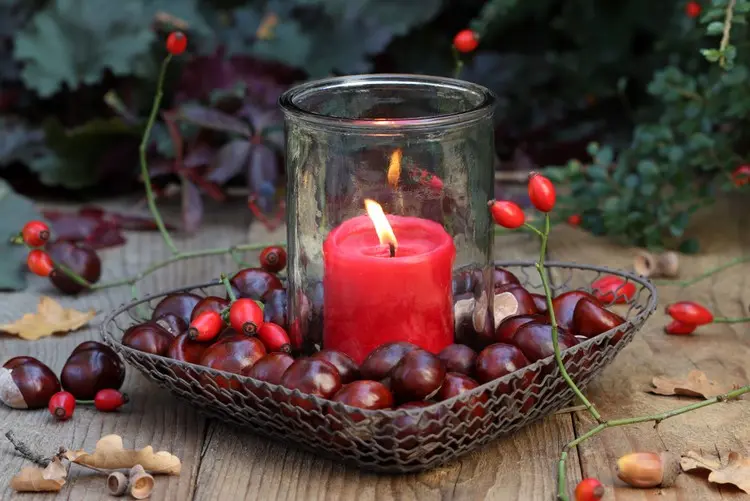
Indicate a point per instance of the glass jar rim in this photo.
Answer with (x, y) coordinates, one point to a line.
(289, 101)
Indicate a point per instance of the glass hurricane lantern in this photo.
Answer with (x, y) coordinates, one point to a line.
(422, 149)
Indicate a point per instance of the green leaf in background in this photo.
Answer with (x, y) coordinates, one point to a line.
(19, 142)
(71, 42)
(690, 246)
(13, 262)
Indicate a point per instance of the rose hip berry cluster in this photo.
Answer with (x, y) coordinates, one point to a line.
(687, 316)
(93, 373)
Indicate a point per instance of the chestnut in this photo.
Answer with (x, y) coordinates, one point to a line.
(455, 384)
(348, 368)
(381, 361)
(540, 301)
(184, 349)
(232, 354)
(498, 360)
(180, 304)
(414, 430)
(535, 340)
(209, 303)
(502, 277)
(365, 394)
(80, 258)
(275, 308)
(508, 327)
(458, 358)
(591, 319)
(172, 323)
(254, 283)
(26, 383)
(565, 305)
(91, 367)
(148, 337)
(314, 377)
(418, 376)
(525, 301)
(270, 368)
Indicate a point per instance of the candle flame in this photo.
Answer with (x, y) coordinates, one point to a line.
(382, 226)
(394, 168)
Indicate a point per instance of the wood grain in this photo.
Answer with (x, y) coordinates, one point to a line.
(721, 351)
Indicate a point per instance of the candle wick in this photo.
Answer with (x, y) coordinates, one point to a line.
(392, 248)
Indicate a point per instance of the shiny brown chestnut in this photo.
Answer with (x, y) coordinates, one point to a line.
(232, 354)
(270, 368)
(27, 383)
(540, 301)
(417, 376)
(91, 367)
(456, 384)
(525, 301)
(184, 349)
(502, 277)
(508, 327)
(414, 430)
(565, 305)
(254, 283)
(148, 337)
(275, 308)
(348, 368)
(591, 319)
(458, 358)
(172, 323)
(498, 360)
(381, 361)
(78, 257)
(180, 304)
(371, 395)
(535, 340)
(313, 377)
(209, 303)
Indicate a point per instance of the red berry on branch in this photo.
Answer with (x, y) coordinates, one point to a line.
(246, 316)
(693, 9)
(273, 259)
(741, 175)
(40, 263)
(466, 41)
(574, 220)
(35, 233)
(541, 192)
(589, 489)
(613, 289)
(206, 326)
(176, 43)
(678, 328)
(507, 214)
(274, 337)
(61, 405)
(109, 400)
(689, 312)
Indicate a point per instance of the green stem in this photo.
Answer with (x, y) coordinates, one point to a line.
(161, 264)
(144, 165)
(614, 423)
(729, 14)
(725, 320)
(706, 274)
(228, 286)
(535, 229)
(544, 235)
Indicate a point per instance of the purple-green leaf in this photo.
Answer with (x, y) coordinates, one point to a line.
(229, 161)
(192, 206)
(213, 119)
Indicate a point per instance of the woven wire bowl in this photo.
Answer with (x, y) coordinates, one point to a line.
(405, 440)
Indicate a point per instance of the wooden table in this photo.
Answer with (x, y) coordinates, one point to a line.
(225, 463)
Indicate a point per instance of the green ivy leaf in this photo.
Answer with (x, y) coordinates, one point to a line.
(71, 42)
(12, 265)
(289, 45)
(711, 55)
(715, 28)
(20, 143)
(690, 246)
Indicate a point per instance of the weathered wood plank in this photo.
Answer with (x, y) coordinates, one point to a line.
(239, 465)
(153, 417)
(721, 351)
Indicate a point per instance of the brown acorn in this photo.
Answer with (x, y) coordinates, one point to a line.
(648, 469)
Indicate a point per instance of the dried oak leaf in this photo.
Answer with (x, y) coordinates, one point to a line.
(111, 455)
(50, 317)
(695, 385)
(736, 471)
(35, 479)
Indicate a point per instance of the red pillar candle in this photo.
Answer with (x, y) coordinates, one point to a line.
(371, 298)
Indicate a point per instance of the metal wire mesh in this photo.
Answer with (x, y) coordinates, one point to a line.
(404, 440)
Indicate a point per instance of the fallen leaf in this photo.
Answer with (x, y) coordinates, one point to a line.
(695, 385)
(110, 455)
(735, 472)
(50, 317)
(35, 479)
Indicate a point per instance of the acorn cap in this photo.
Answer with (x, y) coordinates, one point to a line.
(645, 263)
(141, 483)
(117, 483)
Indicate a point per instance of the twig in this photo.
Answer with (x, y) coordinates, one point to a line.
(706, 274)
(228, 287)
(727, 30)
(26, 452)
(725, 320)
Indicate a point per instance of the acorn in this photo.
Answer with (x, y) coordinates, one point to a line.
(141, 483)
(117, 484)
(649, 469)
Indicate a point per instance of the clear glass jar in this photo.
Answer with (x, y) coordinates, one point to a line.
(422, 149)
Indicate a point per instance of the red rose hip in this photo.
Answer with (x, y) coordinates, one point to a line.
(273, 259)
(109, 400)
(39, 263)
(35, 233)
(206, 326)
(466, 41)
(246, 316)
(541, 192)
(176, 43)
(61, 405)
(274, 337)
(507, 214)
(689, 312)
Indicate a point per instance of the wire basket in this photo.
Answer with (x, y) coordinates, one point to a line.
(404, 440)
